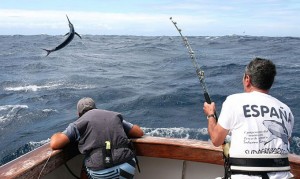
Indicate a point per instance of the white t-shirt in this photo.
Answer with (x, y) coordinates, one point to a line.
(259, 124)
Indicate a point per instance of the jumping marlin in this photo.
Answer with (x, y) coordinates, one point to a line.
(69, 38)
(277, 129)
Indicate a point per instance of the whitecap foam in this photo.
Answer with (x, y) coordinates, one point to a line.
(49, 110)
(34, 144)
(297, 141)
(48, 86)
(8, 112)
(180, 132)
(79, 86)
(32, 87)
(3, 119)
(211, 37)
(13, 107)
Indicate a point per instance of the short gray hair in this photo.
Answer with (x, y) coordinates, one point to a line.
(262, 73)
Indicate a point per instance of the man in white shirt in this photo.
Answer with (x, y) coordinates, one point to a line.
(259, 124)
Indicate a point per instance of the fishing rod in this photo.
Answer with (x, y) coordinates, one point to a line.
(199, 71)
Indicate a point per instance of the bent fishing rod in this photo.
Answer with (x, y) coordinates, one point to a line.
(199, 71)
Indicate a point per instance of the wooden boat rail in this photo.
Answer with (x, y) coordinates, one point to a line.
(31, 164)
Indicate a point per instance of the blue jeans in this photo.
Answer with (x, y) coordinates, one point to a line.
(122, 171)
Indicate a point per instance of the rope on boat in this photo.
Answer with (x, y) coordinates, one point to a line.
(183, 170)
(199, 71)
(45, 165)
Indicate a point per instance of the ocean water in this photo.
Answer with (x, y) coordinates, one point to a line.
(150, 80)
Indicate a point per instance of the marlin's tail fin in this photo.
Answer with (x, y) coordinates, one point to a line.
(48, 51)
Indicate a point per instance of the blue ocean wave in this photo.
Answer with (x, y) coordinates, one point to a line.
(22, 150)
(149, 80)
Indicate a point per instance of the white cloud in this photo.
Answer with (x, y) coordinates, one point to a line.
(29, 22)
(55, 22)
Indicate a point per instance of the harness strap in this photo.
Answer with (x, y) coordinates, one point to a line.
(135, 156)
(112, 147)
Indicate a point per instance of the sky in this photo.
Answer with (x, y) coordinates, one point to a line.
(151, 17)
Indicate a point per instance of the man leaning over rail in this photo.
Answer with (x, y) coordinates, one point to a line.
(259, 124)
(102, 137)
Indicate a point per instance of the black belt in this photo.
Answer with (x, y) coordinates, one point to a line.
(259, 162)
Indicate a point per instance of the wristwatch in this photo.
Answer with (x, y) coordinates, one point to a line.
(211, 115)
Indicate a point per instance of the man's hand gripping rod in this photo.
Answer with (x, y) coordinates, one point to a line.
(199, 71)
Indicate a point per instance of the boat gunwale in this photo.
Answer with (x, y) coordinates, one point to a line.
(31, 164)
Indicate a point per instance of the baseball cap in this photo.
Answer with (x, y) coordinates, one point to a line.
(85, 104)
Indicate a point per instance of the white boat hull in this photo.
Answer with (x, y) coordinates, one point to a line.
(152, 168)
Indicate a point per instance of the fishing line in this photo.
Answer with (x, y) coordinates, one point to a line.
(200, 74)
(199, 71)
(45, 165)
(65, 166)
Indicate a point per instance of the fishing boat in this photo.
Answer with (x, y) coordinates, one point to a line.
(159, 158)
